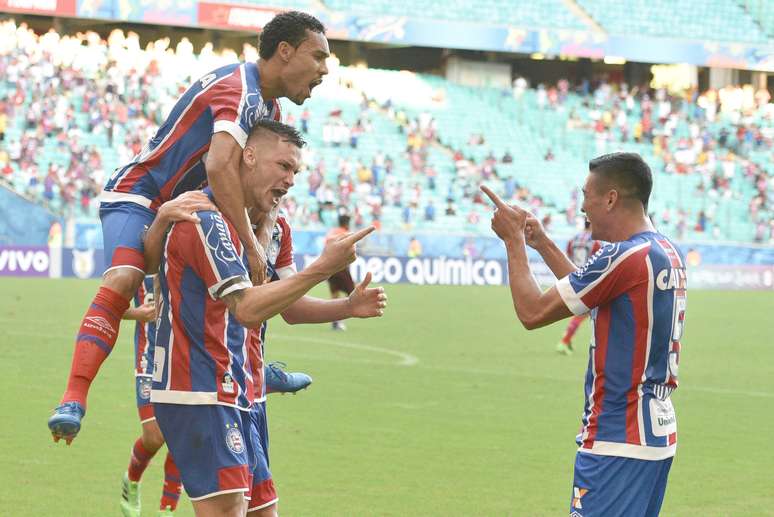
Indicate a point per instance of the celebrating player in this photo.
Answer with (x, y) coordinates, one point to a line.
(203, 381)
(635, 288)
(200, 142)
(151, 439)
(580, 248)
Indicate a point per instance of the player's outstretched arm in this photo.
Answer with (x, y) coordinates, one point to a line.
(364, 302)
(222, 167)
(255, 305)
(182, 208)
(533, 307)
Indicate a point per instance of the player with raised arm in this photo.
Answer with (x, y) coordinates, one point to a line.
(579, 249)
(203, 381)
(151, 440)
(200, 142)
(362, 302)
(635, 288)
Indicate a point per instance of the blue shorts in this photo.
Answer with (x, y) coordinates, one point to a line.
(142, 385)
(263, 492)
(123, 228)
(213, 446)
(612, 486)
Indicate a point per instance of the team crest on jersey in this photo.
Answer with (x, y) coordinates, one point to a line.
(83, 263)
(145, 388)
(234, 440)
(577, 495)
(228, 384)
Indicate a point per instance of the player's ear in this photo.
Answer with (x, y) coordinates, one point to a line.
(611, 199)
(285, 50)
(248, 155)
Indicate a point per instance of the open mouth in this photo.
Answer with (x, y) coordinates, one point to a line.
(314, 84)
(277, 194)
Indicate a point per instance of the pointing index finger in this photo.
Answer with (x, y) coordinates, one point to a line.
(354, 237)
(499, 203)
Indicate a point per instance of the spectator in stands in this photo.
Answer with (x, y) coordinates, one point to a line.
(414, 248)
(430, 211)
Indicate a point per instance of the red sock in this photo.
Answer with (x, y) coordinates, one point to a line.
(139, 460)
(172, 485)
(572, 328)
(95, 340)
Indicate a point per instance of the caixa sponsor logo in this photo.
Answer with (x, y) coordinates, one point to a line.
(24, 261)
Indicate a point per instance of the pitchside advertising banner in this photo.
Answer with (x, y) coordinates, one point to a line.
(38, 261)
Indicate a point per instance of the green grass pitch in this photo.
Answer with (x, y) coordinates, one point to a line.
(443, 407)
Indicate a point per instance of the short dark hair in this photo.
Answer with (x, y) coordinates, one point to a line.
(285, 132)
(290, 26)
(627, 173)
(344, 220)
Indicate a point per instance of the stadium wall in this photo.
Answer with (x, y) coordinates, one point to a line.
(55, 262)
(22, 222)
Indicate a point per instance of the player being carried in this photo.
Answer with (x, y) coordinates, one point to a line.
(635, 288)
(207, 383)
(579, 249)
(200, 142)
(151, 440)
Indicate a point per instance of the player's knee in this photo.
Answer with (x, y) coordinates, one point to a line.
(125, 281)
(151, 436)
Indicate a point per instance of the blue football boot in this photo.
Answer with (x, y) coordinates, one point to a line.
(280, 381)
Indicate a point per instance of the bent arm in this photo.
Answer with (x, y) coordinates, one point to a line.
(254, 305)
(533, 307)
(222, 167)
(154, 242)
(556, 260)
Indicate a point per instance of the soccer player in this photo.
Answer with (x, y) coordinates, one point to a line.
(362, 302)
(200, 142)
(203, 383)
(151, 439)
(580, 248)
(341, 283)
(635, 288)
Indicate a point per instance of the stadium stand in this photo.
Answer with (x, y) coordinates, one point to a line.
(404, 150)
(716, 20)
(545, 13)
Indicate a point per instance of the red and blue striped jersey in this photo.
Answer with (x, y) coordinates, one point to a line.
(201, 354)
(581, 247)
(144, 332)
(636, 292)
(228, 99)
(280, 266)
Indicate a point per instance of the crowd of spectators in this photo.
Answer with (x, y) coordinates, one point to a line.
(87, 105)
